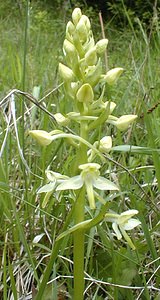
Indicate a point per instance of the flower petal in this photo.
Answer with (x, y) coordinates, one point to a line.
(116, 230)
(90, 194)
(42, 137)
(125, 216)
(52, 176)
(73, 183)
(111, 217)
(46, 199)
(47, 188)
(102, 183)
(132, 223)
(127, 238)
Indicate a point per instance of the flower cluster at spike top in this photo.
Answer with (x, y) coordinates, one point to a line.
(83, 74)
(85, 83)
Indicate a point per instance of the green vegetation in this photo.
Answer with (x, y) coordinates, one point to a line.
(31, 49)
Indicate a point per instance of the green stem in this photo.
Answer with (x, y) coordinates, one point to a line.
(79, 249)
(79, 217)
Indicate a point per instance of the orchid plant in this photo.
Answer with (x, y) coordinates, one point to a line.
(84, 85)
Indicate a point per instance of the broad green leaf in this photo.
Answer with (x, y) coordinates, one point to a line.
(134, 149)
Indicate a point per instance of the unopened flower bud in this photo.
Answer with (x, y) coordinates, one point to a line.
(69, 48)
(85, 93)
(82, 31)
(93, 73)
(101, 46)
(89, 44)
(76, 15)
(91, 57)
(86, 21)
(124, 121)
(105, 144)
(65, 72)
(70, 28)
(43, 137)
(112, 75)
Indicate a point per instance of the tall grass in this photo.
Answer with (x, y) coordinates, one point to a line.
(28, 232)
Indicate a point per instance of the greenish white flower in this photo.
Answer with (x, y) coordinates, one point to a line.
(54, 179)
(76, 15)
(105, 144)
(101, 46)
(91, 57)
(90, 177)
(90, 43)
(93, 73)
(44, 138)
(82, 31)
(123, 122)
(112, 76)
(70, 29)
(86, 21)
(122, 223)
(85, 93)
(65, 72)
(69, 48)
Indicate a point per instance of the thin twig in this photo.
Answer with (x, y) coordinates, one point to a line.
(103, 36)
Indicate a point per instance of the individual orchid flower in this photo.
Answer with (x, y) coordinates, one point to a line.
(85, 93)
(90, 177)
(54, 179)
(122, 223)
(104, 146)
(43, 137)
(123, 122)
(112, 75)
(65, 72)
(101, 46)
